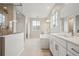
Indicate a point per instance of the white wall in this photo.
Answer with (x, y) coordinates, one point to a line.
(44, 27)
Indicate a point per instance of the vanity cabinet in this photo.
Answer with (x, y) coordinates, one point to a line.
(73, 48)
(52, 44)
(69, 54)
(59, 50)
(59, 46)
(56, 49)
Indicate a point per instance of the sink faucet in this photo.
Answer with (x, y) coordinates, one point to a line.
(72, 33)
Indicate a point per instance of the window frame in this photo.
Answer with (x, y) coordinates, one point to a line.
(37, 25)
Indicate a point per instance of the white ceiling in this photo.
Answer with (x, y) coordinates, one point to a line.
(37, 9)
(70, 9)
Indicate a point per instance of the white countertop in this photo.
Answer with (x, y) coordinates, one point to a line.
(43, 36)
(72, 39)
(11, 34)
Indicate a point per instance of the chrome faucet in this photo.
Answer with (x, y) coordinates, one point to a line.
(72, 33)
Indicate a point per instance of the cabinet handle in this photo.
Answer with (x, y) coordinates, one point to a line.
(75, 50)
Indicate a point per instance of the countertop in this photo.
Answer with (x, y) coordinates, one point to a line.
(72, 39)
(10, 34)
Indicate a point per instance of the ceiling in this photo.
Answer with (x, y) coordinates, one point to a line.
(37, 9)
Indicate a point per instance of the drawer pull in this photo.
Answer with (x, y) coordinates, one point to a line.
(75, 50)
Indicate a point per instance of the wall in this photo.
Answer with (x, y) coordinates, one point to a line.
(44, 26)
(20, 22)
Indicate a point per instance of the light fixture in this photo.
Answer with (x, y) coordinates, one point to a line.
(5, 8)
(47, 20)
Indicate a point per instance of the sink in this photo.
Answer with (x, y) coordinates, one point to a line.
(69, 36)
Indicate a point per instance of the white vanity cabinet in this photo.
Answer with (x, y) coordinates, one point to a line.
(52, 44)
(63, 46)
(73, 48)
(57, 46)
(44, 40)
(12, 45)
(69, 54)
(56, 49)
(59, 50)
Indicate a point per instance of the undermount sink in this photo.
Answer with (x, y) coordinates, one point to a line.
(69, 36)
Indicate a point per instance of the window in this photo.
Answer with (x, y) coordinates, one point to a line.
(35, 25)
(2, 19)
(55, 16)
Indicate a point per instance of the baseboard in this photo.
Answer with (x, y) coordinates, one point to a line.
(20, 52)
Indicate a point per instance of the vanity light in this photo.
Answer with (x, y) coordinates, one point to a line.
(5, 8)
(47, 21)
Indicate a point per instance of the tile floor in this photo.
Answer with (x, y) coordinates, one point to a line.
(32, 48)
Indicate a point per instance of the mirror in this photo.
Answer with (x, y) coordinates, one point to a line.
(6, 16)
(77, 24)
(67, 24)
(70, 24)
(64, 24)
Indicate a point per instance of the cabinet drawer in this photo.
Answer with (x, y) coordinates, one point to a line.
(70, 54)
(73, 48)
(61, 41)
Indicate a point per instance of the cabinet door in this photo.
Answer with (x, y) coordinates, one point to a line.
(59, 50)
(56, 49)
(51, 47)
(70, 54)
(62, 51)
